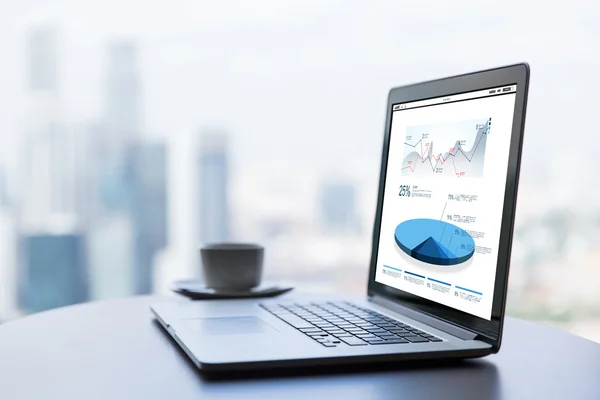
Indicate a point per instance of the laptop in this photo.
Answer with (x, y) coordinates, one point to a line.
(441, 246)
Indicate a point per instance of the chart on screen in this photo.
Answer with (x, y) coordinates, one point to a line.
(451, 149)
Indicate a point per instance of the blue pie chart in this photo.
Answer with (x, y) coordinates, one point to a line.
(434, 242)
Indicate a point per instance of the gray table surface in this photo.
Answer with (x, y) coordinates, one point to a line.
(114, 350)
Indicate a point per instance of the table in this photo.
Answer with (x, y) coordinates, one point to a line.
(114, 350)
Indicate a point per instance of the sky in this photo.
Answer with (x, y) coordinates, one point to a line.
(306, 82)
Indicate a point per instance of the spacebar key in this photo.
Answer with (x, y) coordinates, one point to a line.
(353, 341)
(295, 321)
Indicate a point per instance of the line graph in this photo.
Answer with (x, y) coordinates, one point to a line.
(454, 149)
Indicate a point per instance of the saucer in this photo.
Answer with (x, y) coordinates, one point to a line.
(196, 290)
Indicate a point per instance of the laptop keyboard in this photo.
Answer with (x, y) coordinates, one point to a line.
(334, 324)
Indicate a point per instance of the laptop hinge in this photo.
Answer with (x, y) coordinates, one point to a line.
(443, 326)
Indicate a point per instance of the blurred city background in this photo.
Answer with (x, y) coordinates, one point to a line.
(133, 131)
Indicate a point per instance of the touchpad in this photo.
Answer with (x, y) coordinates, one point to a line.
(228, 326)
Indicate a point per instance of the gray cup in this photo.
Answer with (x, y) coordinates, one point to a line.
(232, 266)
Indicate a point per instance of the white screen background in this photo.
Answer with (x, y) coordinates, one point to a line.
(479, 272)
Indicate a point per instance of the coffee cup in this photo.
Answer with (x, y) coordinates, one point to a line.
(232, 266)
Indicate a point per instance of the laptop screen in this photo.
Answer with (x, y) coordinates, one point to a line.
(443, 197)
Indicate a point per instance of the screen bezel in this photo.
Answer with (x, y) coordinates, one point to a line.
(489, 331)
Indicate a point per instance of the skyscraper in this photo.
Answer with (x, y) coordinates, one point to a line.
(54, 272)
(112, 226)
(121, 125)
(52, 269)
(3, 188)
(111, 257)
(42, 61)
(147, 181)
(213, 191)
(48, 184)
(123, 97)
(338, 208)
(8, 255)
